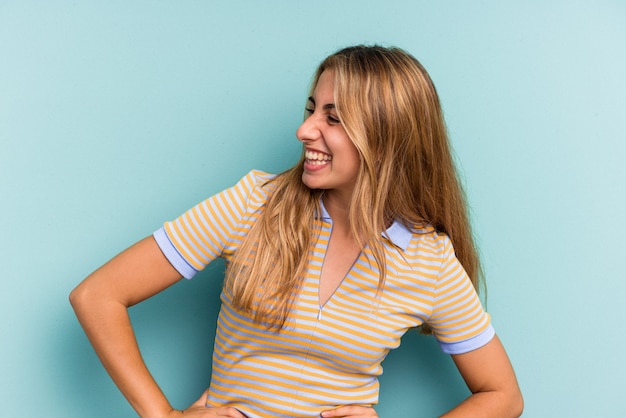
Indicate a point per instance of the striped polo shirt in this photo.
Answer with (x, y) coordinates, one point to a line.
(325, 355)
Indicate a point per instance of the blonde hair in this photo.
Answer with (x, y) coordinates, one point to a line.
(390, 110)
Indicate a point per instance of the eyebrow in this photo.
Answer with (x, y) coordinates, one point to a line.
(328, 106)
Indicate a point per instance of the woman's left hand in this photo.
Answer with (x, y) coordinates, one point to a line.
(350, 411)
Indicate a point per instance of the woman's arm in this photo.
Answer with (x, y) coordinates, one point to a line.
(101, 303)
(491, 379)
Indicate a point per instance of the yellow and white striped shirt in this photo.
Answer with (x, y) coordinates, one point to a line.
(327, 355)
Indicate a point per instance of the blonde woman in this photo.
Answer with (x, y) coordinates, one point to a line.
(329, 263)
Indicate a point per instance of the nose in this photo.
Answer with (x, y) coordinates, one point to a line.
(309, 129)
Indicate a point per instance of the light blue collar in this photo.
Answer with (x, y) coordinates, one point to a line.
(397, 233)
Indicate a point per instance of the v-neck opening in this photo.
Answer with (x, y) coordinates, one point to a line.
(322, 304)
(325, 218)
(343, 279)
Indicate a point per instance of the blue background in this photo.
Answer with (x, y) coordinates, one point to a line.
(116, 116)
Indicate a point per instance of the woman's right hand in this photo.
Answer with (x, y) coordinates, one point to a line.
(199, 409)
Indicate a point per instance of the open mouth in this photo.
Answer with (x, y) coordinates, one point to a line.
(317, 158)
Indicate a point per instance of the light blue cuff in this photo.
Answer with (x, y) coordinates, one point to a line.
(469, 345)
(171, 253)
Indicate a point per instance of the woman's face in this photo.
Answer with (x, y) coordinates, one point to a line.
(331, 159)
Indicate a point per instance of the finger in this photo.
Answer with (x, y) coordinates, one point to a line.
(230, 412)
(350, 411)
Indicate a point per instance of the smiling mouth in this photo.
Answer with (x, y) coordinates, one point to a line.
(317, 158)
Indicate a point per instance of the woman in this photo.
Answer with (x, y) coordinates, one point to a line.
(329, 263)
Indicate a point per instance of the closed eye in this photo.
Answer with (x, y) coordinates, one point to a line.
(310, 109)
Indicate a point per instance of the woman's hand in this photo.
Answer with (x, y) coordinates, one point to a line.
(200, 409)
(350, 411)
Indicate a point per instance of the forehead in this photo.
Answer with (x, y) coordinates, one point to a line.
(325, 87)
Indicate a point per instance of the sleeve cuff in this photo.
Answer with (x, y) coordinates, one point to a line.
(171, 253)
(471, 344)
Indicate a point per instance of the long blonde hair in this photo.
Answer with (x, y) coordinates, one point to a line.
(390, 110)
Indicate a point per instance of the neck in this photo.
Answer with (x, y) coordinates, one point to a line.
(338, 208)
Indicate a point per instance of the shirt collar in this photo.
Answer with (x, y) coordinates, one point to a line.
(397, 233)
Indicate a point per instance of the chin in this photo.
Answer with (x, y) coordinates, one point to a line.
(312, 186)
(308, 182)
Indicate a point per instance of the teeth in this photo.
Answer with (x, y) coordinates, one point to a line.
(317, 157)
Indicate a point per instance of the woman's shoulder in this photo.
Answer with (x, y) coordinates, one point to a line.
(255, 186)
(425, 236)
(258, 178)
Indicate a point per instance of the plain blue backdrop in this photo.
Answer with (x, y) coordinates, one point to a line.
(116, 116)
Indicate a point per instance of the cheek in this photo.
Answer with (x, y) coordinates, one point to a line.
(353, 162)
(355, 157)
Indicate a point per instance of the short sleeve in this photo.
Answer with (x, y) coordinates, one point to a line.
(198, 236)
(458, 319)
